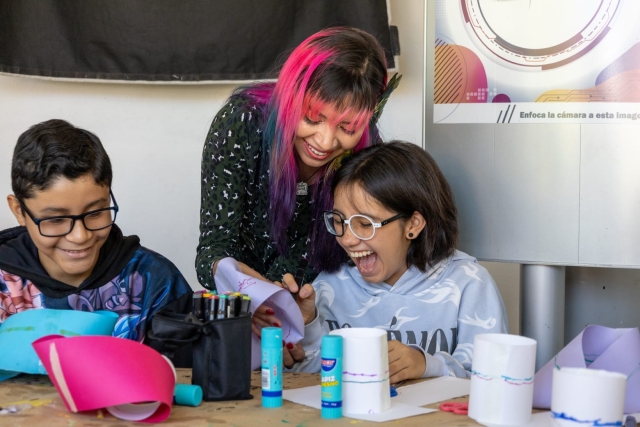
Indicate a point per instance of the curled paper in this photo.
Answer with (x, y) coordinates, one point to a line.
(502, 379)
(587, 397)
(229, 278)
(132, 380)
(596, 347)
(365, 370)
(18, 331)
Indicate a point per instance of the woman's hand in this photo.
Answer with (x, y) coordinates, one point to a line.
(306, 297)
(405, 363)
(292, 354)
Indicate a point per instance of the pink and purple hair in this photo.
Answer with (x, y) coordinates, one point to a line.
(343, 68)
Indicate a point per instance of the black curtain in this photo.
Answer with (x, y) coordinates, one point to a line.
(171, 40)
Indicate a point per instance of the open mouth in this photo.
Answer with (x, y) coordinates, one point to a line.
(320, 155)
(365, 261)
(77, 253)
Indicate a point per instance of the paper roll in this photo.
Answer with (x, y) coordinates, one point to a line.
(502, 379)
(365, 370)
(587, 397)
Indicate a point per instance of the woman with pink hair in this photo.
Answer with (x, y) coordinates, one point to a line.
(271, 148)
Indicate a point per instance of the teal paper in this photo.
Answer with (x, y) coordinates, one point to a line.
(18, 331)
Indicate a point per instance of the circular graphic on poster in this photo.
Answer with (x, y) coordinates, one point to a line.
(537, 34)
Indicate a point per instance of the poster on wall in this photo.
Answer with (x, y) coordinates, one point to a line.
(537, 61)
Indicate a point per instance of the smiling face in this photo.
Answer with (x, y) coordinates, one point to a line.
(324, 135)
(383, 258)
(70, 258)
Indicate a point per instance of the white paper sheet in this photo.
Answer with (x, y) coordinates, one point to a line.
(310, 396)
(432, 391)
(365, 370)
(501, 390)
(587, 397)
(229, 278)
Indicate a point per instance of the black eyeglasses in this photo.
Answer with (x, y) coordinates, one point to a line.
(363, 227)
(57, 226)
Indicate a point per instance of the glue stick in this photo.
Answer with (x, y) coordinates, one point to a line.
(271, 367)
(331, 376)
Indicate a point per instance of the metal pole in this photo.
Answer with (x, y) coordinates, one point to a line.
(542, 290)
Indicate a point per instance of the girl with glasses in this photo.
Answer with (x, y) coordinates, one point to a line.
(394, 217)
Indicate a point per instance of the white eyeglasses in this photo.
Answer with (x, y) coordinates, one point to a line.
(363, 227)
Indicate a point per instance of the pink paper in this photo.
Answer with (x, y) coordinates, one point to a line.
(597, 347)
(94, 372)
(229, 278)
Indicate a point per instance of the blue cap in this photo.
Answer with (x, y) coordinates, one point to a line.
(271, 337)
(331, 346)
(187, 395)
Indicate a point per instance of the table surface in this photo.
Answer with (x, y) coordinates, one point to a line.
(38, 404)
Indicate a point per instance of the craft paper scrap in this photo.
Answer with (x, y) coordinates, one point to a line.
(95, 372)
(18, 331)
(596, 347)
(310, 396)
(229, 278)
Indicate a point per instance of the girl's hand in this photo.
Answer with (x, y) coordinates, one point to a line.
(405, 363)
(306, 297)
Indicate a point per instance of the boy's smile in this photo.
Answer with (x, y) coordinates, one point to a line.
(72, 257)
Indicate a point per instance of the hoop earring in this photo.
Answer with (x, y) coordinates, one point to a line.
(411, 235)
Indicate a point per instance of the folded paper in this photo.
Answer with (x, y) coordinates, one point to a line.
(502, 372)
(596, 347)
(18, 331)
(132, 380)
(229, 278)
(365, 370)
(587, 397)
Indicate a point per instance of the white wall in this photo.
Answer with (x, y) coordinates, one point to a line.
(154, 136)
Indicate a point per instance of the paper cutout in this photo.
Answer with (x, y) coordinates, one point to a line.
(433, 391)
(18, 331)
(365, 370)
(131, 380)
(596, 347)
(502, 379)
(587, 397)
(229, 278)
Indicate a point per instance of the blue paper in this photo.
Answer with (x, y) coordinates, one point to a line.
(18, 331)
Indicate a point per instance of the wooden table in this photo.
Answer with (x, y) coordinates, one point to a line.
(39, 405)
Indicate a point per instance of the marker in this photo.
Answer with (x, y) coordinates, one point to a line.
(299, 277)
(231, 306)
(222, 306)
(206, 303)
(245, 305)
(197, 306)
(213, 311)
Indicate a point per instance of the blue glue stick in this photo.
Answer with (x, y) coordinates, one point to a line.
(331, 376)
(271, 367)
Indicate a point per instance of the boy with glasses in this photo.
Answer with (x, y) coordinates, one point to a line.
(68, 253)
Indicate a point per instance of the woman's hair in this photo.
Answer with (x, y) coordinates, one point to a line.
(341, 67)
(54, 149)
(404, 179)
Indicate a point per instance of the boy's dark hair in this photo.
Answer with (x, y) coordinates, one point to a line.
(404, 178)
(54, 149)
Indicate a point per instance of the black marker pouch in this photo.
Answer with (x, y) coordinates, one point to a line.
(221, 351)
